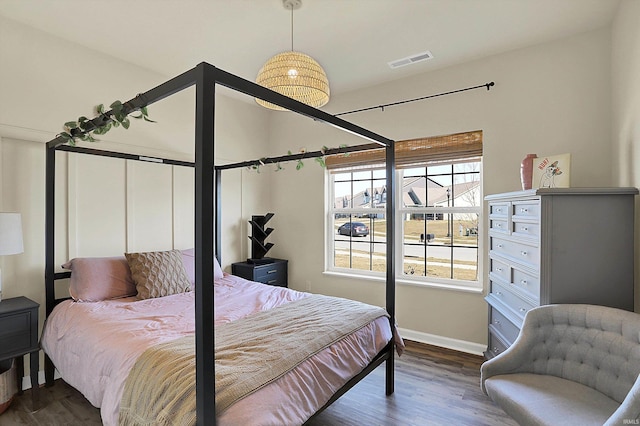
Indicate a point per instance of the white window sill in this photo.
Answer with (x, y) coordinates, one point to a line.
(463, 286)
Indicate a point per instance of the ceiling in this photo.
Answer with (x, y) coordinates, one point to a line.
(352, 39)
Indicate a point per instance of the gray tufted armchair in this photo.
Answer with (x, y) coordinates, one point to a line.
(571, 364)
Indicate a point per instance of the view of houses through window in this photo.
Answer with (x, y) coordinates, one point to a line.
(439, 207)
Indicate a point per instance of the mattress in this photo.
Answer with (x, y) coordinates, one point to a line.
(95, 345)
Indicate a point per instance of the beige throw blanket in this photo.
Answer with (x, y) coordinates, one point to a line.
(250, 353)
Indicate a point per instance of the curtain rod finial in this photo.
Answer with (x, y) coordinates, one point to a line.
(489, 85)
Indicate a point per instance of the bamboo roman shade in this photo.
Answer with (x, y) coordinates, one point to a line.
(416, 151)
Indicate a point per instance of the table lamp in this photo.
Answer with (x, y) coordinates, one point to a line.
(10, 237)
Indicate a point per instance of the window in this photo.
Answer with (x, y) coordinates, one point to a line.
(437, 218)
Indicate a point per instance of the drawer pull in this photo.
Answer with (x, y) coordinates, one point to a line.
(498, 225)
(272, 281)
(524, 228)
(524, 282)
(524, 253)
(273, 271)
(524, 210)
(499, 293)
(499, 269)
(499, 210)
(496, 322)
(499, 245)
(523, 310)
(496, 350)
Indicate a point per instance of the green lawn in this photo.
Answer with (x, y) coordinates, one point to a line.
(415, 265)
(379, 264)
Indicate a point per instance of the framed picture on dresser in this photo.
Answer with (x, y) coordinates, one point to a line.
(553, 171)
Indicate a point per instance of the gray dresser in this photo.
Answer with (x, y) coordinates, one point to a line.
(557, 245)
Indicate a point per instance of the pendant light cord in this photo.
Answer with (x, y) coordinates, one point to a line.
(292, 28)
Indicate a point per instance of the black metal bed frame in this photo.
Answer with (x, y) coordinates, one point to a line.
(208, 211)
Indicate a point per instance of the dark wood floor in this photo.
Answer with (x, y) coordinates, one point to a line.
(433, 386)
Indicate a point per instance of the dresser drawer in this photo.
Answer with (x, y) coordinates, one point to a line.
(526, 209)
(496, 345)
(503, 326)
(273, 274)
(522, 253)
(515, 303)
(499, 225)
(525, 230)
(527, 283)
(15, 334)
(499, 209)
(501, 270)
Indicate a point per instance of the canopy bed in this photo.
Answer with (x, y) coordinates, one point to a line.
(208, 209)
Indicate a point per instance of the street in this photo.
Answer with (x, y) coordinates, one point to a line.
(434, 250)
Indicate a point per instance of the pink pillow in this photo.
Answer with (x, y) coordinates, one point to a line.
(188, 258)
(100, 278)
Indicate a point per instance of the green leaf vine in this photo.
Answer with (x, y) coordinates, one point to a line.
(84, 129)
(299, 163)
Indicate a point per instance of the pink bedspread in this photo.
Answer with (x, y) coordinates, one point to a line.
(95, 345)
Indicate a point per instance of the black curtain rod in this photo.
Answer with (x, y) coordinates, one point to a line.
(382, 107)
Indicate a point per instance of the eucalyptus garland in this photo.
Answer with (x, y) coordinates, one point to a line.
(299, 163)
(84, 129)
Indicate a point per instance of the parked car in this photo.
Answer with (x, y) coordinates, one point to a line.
(355, 229)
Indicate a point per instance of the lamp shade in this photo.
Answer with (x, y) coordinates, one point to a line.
(10, 233)
(296, 75)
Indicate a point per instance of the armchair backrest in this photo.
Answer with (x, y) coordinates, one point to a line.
(593, 345)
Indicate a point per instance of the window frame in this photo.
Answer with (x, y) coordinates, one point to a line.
(475, 286)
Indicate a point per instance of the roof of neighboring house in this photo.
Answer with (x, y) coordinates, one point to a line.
(415, 192)
(436, 195)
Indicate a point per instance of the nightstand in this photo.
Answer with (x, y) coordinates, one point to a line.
(274, 273)
(19, 336)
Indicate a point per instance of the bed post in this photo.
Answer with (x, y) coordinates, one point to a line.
(204, 238)
(218, 209)
(49, 270)
(391, 273)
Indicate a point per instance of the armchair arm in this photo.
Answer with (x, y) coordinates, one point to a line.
(518, 358)
(629, 410)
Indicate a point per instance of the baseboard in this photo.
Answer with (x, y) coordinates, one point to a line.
(445, 342)
(26, 381)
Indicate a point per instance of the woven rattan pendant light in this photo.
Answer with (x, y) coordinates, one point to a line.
(294, 74)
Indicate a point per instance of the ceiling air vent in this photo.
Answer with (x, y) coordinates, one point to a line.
(418, 57)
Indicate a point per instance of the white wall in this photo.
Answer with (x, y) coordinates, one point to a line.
(548, 99)
(625, 62)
